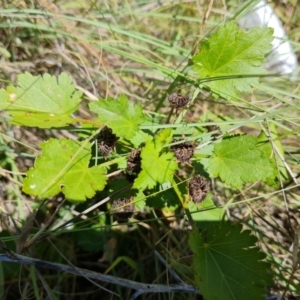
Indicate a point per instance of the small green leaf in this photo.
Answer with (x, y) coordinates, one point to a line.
(266, 146)
(238, 160)
(63, 167)
(227, 265)
(122, 116)
(140, 138)
(156, 167)
(41, 101)
(139, 201)
(206, 211)
(163, 138)
(232, 52)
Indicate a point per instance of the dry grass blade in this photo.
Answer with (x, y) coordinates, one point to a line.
(8, 252)
(37, 236)
(22, 243)
(296, 248)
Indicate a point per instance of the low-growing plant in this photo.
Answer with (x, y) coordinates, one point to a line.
(157, 155)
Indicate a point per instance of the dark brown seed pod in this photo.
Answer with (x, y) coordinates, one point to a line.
(122, 209)
(213, 128)
(184, 151)
(198, 188)
(106, 141)
(134, 162)
(178, 100)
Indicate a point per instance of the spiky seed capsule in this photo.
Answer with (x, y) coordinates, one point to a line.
(106, 141)
(104, 149)
(198, 188)
(122, 209)
(213, 128)
(134, 162)
(184, 151)
(178, 100)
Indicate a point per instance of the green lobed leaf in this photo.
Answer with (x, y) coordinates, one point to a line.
(63, 167)
(122, 116)
(163, 138)
(238, 160)
(226, 264)
(232, 51)
(140, 137)
(157, 167)
(41, 101)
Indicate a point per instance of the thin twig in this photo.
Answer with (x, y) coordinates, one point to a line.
(206, 15)
(141, 288)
